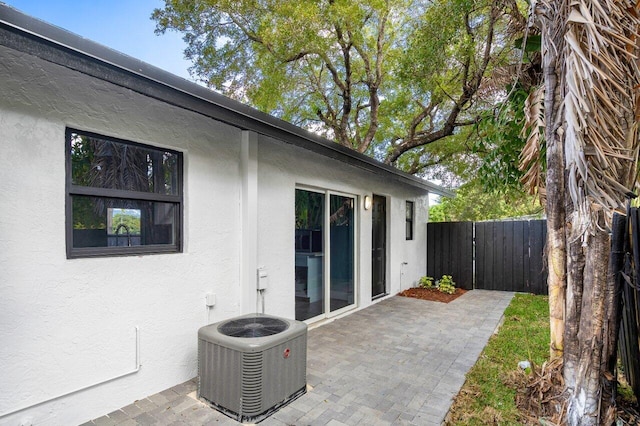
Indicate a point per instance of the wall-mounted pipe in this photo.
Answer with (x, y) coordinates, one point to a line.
(138, 365)
(262, 281)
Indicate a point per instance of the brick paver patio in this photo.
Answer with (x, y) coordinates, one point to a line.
(398, 362)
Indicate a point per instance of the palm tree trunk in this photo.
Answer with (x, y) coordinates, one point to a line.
(575, 278)
(556, 249)
(592, 114)
(584, 404)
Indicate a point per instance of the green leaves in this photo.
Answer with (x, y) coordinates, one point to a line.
(446, 284)
(427, 282)
(401, 80)
(533, 43)
(498, 141)
(474, 203)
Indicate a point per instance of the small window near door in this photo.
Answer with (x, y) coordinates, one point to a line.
(409, 225)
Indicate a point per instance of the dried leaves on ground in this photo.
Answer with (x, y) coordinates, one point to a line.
(542, 398)
(540, 394)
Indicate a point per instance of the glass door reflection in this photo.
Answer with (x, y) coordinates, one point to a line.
(342, 250)
(309, 251)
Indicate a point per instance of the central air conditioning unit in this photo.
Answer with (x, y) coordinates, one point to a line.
(250, 366)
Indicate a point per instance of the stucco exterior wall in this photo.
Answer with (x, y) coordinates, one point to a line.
(69, 323)
(282, 169)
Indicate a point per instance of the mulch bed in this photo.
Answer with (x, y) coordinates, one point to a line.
(432, 294)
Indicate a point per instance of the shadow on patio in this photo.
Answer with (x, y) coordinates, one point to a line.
(400, 362)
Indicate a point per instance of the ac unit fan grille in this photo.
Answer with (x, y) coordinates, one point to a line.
(253, 327)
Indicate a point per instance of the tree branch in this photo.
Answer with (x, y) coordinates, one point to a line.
(470, 85)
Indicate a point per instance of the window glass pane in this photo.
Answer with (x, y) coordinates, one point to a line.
(341, 241)
(104, 163)
(409, 224)
(409, 209)
(309, 262)
(112, 222)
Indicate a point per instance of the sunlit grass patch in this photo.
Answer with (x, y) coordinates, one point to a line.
(486, 398)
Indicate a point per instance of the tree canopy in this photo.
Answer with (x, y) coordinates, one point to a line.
(386, 78)
(474, 203)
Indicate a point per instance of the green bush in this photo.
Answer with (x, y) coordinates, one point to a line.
(446, 284)
(427, 282)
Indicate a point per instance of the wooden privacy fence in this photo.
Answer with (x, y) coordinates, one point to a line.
(627, 286)
(505, 256)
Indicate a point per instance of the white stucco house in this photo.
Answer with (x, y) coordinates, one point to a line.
(138, 207)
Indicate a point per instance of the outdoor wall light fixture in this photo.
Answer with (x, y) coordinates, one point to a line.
(367, 202)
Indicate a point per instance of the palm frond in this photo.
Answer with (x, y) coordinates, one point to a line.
(531, 158)
(600, 86)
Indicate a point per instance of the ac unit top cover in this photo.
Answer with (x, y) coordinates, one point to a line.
(252, 332)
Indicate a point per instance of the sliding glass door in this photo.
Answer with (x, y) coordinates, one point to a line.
(309, 243)
(341, 237)
(324, 253)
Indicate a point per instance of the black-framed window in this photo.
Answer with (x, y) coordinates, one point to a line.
(409, 223)
(123, 198)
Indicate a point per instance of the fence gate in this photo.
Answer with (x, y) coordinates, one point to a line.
(505, 256)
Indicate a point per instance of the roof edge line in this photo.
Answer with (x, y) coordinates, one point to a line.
(63, 38)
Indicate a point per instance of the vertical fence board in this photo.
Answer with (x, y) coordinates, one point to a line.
(467, 265)
(512, 241)
(520, 250)
(482, 260)
(444, 254)
(484, 242)
(537, 268)
(431, 248)
(526, 260)
(498, 257)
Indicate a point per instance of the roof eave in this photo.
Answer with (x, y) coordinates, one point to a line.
(39, 38)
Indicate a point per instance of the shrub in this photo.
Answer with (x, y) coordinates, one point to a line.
(427, 282)
(446, 284)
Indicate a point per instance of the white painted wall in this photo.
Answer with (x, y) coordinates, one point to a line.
(69, 323)
(282, 168)
(65, 324)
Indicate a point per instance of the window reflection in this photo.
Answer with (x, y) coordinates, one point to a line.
(341, 234)
(309, 252)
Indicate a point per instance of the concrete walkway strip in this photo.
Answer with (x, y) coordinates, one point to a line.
(398, 362)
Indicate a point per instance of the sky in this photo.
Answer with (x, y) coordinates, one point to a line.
(123, 25)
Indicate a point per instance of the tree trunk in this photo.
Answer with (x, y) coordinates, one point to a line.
(575, 278)
(592, 146)
(584, 403)
(556, 250)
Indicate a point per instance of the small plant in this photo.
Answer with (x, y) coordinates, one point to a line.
(446, 284)
(427, 282)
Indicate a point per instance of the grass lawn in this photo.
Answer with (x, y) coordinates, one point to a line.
(485, 399)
